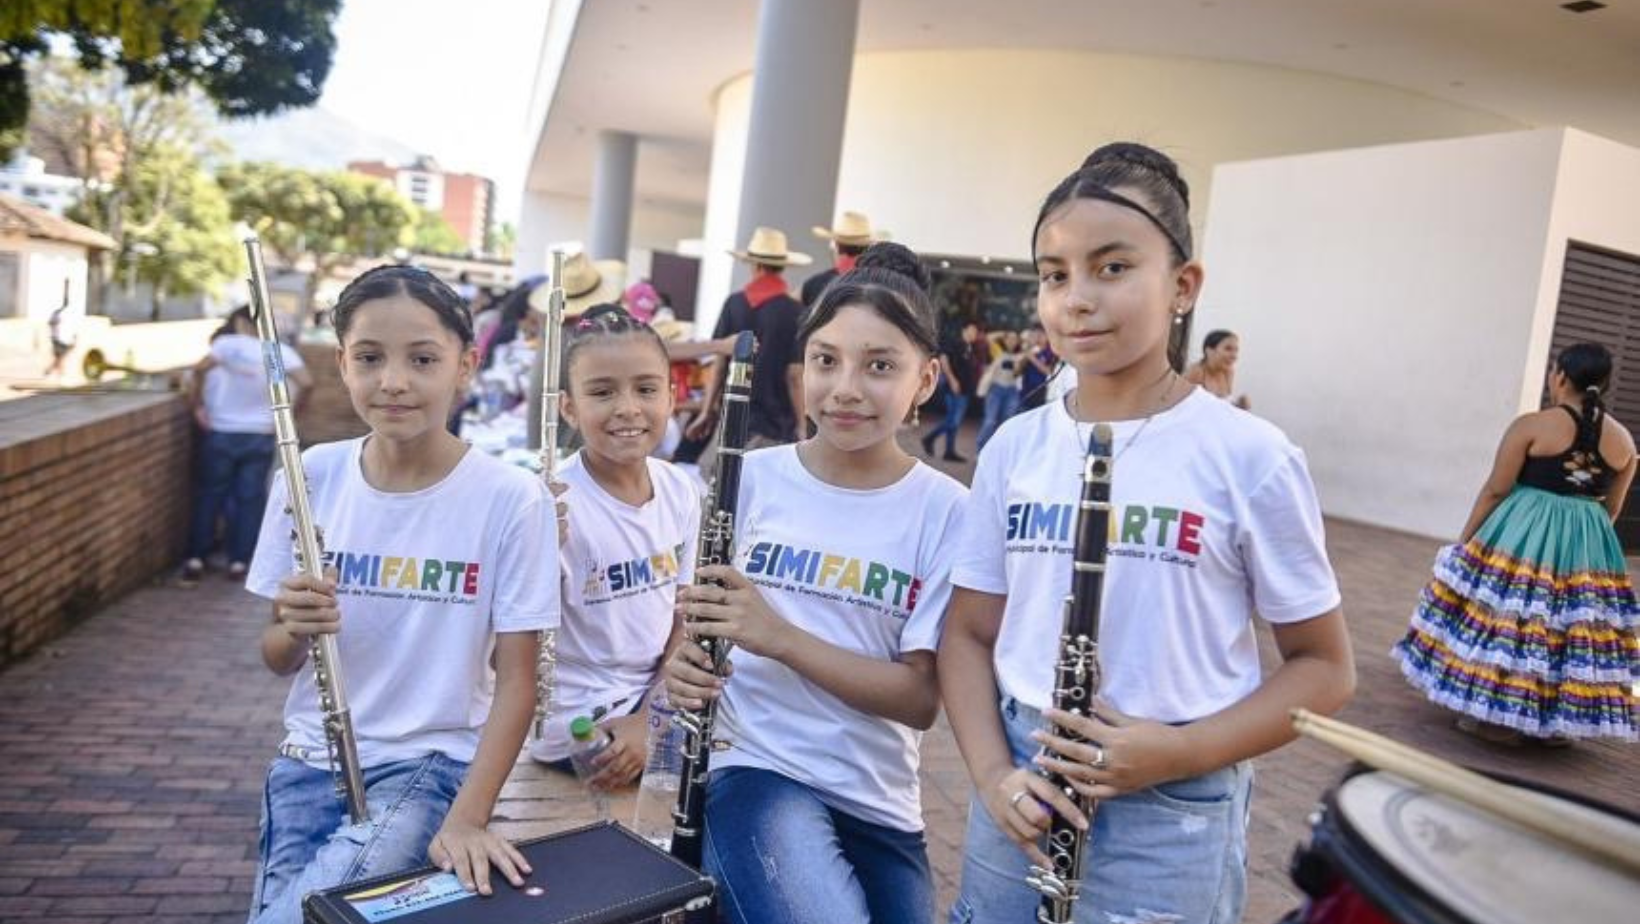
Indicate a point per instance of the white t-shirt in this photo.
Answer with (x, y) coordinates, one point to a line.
(868, 571)
(236, 388)
(1214, 518)
(622, 566)
(426, 580)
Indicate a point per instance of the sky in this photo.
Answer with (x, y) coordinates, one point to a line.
(449, 78)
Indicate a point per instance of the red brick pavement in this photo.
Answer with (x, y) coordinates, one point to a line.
(134, 750)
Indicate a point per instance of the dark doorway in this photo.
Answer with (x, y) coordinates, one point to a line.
(1600, 303)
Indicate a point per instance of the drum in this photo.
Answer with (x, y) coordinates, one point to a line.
(1383, 850)
(599, 874)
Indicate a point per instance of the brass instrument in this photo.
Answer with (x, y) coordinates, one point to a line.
(1077, 676)
(327, 663)
(546, 668)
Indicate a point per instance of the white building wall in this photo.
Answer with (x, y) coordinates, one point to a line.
(1390, 303)
(1597, 201)
(548, 220)
(46, 265)
(953, 150)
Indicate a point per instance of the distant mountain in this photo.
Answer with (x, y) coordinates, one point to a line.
(312, 138)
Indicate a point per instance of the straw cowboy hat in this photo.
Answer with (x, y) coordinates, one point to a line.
(852, 228)
(586, 283)
(768, 247)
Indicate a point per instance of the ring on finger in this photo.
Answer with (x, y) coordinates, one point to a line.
(1099, 758)
(1013, 800)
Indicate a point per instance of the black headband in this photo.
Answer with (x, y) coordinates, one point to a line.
(1107, 195)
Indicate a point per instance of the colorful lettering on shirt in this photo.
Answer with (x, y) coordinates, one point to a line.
(623, 578)
(815, 568)
(404, 572)
(1137, 525)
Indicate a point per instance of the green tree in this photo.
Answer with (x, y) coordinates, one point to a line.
(140, 154)
(318, 220)
(249, 57)
(433, 234)
(503, 240)
(180, 213)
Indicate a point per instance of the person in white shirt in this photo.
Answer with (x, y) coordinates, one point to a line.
(834, 608)
(440, 578)
(630, 544)
(1214, 520)
(230, 404)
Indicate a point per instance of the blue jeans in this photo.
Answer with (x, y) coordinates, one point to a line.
(1176, 852)
(1001, 403)
(955, 406)
(233, 472)
(780, 854)
(308, 844)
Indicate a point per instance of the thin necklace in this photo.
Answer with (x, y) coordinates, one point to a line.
(1076, 411)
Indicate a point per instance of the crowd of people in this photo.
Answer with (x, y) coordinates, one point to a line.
(847, 642)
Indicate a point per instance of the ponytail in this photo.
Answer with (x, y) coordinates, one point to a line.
(1588, 426)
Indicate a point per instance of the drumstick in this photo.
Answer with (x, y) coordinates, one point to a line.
(1608, 838)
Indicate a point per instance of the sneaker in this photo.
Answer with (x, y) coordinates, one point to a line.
(953, 457)
(928, 446)
(236, 571)
(192, 570)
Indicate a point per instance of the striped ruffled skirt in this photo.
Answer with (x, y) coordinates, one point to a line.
(1531, 624)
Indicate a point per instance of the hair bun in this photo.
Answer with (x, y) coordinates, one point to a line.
(896, 258)
(1139, 155)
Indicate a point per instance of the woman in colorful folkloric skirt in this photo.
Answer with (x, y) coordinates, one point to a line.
(1528, 629)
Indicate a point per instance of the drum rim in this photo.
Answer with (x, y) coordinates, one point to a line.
(1348, 850)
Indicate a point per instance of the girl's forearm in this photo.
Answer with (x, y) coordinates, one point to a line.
(1262, 722)
(971, 706)
(892, 689)
(503, 735)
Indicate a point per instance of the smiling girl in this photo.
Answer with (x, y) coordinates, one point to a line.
(633, 521)
(1215, 519)
(439, 579)
(834, 608)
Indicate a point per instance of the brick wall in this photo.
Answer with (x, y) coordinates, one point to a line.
(94, 501)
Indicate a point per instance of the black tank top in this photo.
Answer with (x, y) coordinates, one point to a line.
(1578, 472)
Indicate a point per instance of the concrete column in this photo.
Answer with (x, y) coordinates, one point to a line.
(794, 143)
(612, 177)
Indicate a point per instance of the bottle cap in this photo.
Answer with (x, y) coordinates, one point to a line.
(581, 729)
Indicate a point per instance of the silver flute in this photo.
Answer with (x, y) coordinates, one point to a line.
(1077, 676)
(309, 549)
(546, 668)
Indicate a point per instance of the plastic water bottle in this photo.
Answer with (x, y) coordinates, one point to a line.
(589, 742)
(658, 792)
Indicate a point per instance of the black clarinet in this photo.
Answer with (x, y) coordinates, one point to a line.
(1077, 676)
(716, 547)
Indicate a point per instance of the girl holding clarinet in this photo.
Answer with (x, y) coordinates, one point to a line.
(436, 593)
(1214, 519)
(834, 610)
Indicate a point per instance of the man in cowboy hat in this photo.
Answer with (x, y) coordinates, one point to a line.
(766, 308)
(849, 238)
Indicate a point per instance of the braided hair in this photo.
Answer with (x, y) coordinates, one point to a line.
(603, 322)
(1588, 367)
(1113, 173)
(889, 279)
(411, 281)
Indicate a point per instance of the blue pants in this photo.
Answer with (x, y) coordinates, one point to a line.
(1172, 854)
(955, 406)
(1001, 403)
(309, 845)
(233, 473)
(780, 854)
